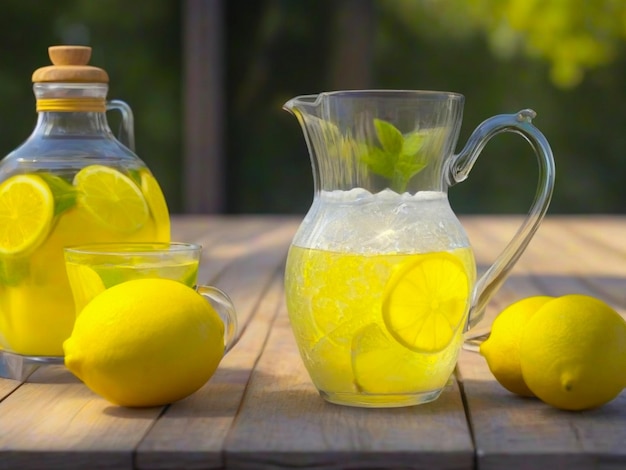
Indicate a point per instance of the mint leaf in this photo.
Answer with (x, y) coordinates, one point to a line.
(409, 166)
(412, 143)
(380, 162)
(64, 192)
(135, 175)
(390, 138)
(399, 158)
(406, 168)
(13, 270)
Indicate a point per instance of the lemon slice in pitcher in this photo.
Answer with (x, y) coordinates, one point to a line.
(26, 212)
(111, 198)
(425, 301)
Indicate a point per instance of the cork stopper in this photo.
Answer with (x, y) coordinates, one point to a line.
(70, 65)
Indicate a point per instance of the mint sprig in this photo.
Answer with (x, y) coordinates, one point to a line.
(398, 158)
(64, 192)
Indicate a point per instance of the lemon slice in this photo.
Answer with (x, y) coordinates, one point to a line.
(26, 212)
(85, 282)
(111, 198)
(156, 202)
(383, 366)
(425, 302)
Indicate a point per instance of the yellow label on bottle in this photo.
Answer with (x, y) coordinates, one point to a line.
(71, 104)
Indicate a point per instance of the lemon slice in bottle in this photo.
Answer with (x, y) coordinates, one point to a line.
(111, 198)
(426, 301)
(26, 213)
(156, 203)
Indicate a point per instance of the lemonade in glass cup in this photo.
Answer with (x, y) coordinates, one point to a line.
(96, 267)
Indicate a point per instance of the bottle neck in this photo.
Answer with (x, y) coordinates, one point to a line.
(72, 124)
(72, 110)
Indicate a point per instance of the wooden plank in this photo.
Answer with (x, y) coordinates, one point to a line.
(211, 231)
(255, 257)
(192, 432)
(603, 274)
(205, 229)
(284, 422)
(7, 386)
(518, 433)
(53, 421)
(550, 265)
(563, 262)
(604, 231)
(244, 236)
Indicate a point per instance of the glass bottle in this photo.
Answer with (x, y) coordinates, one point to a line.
(71, 182)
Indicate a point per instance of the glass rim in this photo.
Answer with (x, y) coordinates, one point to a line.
(399, 92)
(439, 95)
(135, 248)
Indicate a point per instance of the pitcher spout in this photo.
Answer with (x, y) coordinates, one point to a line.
(303, 105)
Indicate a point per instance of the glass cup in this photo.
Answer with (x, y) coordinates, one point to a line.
(93, 268)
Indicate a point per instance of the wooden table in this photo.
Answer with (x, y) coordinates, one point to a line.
(261, 411)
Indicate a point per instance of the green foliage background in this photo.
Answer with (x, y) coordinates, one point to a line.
(489, 50)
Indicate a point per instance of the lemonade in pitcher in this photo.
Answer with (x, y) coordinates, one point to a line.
(71, 182)
(357, 342)
(375, 318)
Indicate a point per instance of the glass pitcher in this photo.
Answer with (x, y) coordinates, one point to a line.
(380, 278)
(71, 182)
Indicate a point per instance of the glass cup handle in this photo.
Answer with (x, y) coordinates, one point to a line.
(225, 309)
(458, 170)
(127, 128)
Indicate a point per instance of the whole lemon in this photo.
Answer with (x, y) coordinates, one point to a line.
(501, 349)
(145, 342)
(573, 353)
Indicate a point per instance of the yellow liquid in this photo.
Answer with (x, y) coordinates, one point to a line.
(335, 308)
(36, 304)
(82, 270)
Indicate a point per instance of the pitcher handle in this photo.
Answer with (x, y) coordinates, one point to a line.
(127, 128)
(458, 170)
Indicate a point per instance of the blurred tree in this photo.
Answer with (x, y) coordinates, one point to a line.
(572, 35)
